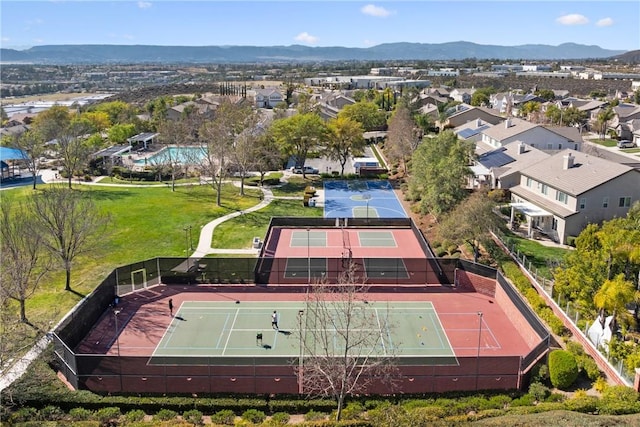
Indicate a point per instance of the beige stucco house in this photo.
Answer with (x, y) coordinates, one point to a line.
(563, 193)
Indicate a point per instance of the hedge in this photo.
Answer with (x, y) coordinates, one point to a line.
(563, 368)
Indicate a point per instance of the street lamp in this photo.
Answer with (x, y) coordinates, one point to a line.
(308, 260)
(300, 362)
(479, 342)
(187, 231)
(115, 316)
(367, 197)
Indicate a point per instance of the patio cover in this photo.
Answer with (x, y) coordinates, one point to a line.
(529, 209)
(7, 153)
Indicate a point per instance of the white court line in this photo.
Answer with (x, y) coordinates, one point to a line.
(226, 344)
(380, 329)
(224, 327)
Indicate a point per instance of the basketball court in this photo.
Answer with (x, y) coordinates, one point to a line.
(361, 199)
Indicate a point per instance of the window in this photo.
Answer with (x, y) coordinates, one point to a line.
(583, 203)
(549, 146)
(529, 182)
(554, 224)
(624, 202)
(561, 197)
(559, 146)
(544, 189)
(605, 202)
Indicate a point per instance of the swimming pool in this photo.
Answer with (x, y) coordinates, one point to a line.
(182, 155)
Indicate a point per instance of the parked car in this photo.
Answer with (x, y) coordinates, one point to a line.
(306, 169)
(625, 143)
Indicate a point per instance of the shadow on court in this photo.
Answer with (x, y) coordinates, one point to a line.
(180, 318)
(285, 333)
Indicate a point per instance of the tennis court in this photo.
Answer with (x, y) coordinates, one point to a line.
(361, 199)
(228, 330)
(306, 255)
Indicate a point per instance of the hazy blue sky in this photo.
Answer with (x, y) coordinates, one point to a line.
(608, 24)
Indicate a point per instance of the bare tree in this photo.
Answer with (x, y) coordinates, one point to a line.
(219, 136)
(172, 133)
(245, 155)
(340, 341)
(68, 222)
(402, 139)
(267, 155)
(32, 145)
(24, 259)
(73, 149)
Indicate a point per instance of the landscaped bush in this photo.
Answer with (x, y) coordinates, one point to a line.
(108, 415)
(225, 417)
(314, 416)
(193, 416)
(80, 414)
(254, 416)
(539, 391)
(165, 415)
(563, 369)
(280, 418)
(134, 415)
(51, 413)
(352, 411)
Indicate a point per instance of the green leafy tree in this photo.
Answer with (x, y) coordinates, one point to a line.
(614, 295)
(530, 109)
(482, 96)
(118, 111)
(439, 173)
(52, 122)
(119, 133)
(563, 369)
(470, 222)
(344, 140)
(546, 94)
(602, 121)
(367, 114)
(299, 134)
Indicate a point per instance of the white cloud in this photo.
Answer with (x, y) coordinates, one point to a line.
(573, 19)
(377, 11)
(369, 43)
(144, 4)
(604, 22)
(5, 39)
(128, 37)
(305, 37)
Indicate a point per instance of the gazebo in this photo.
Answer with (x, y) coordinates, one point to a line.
(8, 159)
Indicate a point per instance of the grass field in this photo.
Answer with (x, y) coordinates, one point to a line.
(148, 222)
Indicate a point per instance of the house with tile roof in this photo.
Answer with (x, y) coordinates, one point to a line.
(466, 113)
(503, 165)
(545, 138)
(565, 192)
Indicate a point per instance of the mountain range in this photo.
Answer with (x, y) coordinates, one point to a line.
(131, 54)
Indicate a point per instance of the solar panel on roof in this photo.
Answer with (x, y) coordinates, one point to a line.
(495, 159)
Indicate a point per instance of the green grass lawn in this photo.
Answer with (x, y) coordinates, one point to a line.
(607, 142)
(145, 223)
(542, 258)
(239, 232)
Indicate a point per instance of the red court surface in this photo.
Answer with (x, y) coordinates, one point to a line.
(144, 317)
(393, 243)
(494, 335)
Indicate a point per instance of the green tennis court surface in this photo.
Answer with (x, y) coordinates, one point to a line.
(222, 332)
